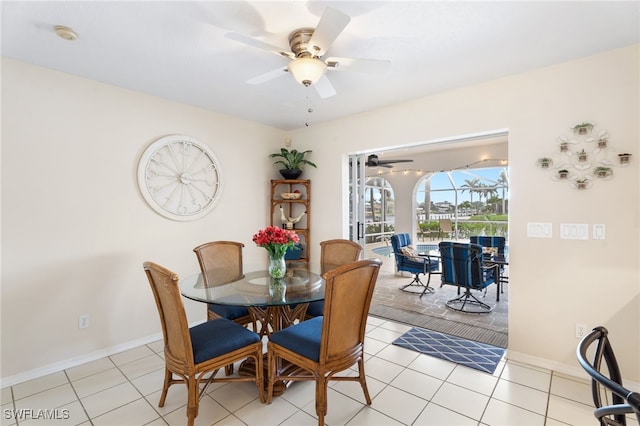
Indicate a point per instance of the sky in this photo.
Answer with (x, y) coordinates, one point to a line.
(488, 176)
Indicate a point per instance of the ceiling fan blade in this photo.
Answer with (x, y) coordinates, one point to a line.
(394, 161)
(253, 42)
(358, 65)
(262, 78)
(331, 24)
(324, 87)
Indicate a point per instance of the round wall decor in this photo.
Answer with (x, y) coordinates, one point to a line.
(180, 178)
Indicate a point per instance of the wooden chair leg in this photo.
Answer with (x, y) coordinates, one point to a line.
(259, 360)
(192, 400)
(321, 398)
(363, 381)
(165, 387)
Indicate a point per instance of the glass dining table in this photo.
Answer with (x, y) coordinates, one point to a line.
(273, 304)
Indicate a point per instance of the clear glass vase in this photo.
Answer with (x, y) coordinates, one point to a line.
(277, 265)
(277, 290)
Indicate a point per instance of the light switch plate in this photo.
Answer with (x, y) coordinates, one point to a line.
(574, 231)
(539, 230)
(598, 231)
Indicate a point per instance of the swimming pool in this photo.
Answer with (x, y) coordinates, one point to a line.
(388, 251)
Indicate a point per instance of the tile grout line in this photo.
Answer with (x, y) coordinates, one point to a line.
(78, 397)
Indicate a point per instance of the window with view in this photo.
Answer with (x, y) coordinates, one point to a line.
(476, 200)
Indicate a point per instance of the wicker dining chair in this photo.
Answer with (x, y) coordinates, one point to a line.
(333, 253)
(196, 354)
(324, 346)
(220, 263)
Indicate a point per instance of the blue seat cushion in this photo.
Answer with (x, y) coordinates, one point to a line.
(404, 263)
(408, 264)
(302, 338)
(217, 337)
(228, 311)
(316, 309)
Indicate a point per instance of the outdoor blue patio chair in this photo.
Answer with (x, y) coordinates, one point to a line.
(463, 266)
(490, 241)
(497, 243)
(409, 260)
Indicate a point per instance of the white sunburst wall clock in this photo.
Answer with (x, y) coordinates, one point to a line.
(180, 178)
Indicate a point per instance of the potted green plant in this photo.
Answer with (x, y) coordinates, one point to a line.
(582, 156)
(581, 183)
(545, 162)
(602, 172)
(624, 158)
(292, 162)
(603, 141)
(583, 128)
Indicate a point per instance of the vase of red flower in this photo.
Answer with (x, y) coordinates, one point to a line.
(277, 266)
(276, 241)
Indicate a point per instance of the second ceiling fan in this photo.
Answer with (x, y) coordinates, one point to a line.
(374, 161)
(307, 48)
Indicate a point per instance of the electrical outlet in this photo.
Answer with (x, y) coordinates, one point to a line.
(83, 321)
(581, 330)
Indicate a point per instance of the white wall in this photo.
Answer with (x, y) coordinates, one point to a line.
(553, 283)
(75, 231)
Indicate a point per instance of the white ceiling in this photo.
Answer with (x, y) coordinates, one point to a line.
(178, 50)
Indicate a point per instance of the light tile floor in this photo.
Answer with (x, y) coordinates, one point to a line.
(407, 388)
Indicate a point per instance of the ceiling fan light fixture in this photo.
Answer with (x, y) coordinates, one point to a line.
(307, 71)
(65, 33)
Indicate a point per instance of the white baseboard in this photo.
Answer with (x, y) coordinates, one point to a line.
(76, 361)
(569, 370)
(79, 360)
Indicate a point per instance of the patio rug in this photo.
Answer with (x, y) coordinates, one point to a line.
(431, 312)
(465, 352)
(447, 326)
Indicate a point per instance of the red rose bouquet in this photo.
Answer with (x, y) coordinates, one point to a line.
(276, 240)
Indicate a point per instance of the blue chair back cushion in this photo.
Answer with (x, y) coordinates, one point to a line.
(490, 241)
(316, 309)
(228, 311)
(403, 263)
(218, 337)
(462, 265)
(303, 338)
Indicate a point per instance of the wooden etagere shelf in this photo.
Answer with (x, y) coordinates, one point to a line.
(292, 209)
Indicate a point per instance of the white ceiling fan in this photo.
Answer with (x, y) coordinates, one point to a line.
(307, 47)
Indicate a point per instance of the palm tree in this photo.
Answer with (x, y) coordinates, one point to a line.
(471, 185)
(493, 201)
(485, 191)
(503, 181)
(465, 206)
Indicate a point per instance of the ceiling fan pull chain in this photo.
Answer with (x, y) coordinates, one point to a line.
(309, 107)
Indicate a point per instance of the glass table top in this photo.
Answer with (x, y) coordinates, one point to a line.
(301, 284)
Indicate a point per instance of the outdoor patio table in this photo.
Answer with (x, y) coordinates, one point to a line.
(499, 262)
